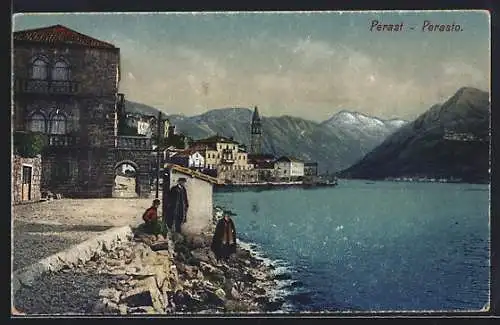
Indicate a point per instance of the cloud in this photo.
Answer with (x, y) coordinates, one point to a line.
(305, 77)
(130, 76)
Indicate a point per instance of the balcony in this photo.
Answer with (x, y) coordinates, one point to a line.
(62, 140)
(133, 142)
(34, 86)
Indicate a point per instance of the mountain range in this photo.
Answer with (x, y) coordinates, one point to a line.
(450, 141)
(335, 144)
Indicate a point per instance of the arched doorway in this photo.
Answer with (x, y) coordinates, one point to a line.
(126, 181)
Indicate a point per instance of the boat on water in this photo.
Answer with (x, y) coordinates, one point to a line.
(238, 187)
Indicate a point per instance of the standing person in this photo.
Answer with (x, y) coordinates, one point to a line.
(224, 239)
(150, 218)
(177, 205)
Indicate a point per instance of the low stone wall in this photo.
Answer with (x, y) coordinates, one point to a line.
(75, 255)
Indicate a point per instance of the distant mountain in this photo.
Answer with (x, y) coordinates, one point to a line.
(335, 144)
(133, 107)
(448, 141)
(366, 130)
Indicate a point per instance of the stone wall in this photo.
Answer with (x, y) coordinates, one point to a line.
(95, 70)
(91, 117)
(17, 173)
(200, 197)
(239, 176)
(140, 159)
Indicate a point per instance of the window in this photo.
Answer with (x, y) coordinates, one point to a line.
(36, 123)
(58, 124)
(60, 71)
(39, 69)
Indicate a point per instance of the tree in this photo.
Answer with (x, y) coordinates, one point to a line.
(29, 144)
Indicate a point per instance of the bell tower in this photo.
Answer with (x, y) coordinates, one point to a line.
(256, 133)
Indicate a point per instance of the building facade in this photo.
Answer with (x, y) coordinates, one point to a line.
(256, 133)
(289, 168)
(311, 169)
(189, 158)
(265, 166)
(225, 159)
(66, 87)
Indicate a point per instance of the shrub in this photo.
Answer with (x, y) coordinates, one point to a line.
(29, 144)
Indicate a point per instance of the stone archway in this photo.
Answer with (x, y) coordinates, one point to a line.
(126, 180)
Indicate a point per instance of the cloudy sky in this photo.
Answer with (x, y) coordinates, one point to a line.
(310, 65)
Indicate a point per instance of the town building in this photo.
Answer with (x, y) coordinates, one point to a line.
(66, 88)
(225, 159)
(311, 169)
(256, 133)
(189, 158)
(265, 166)
(289, 168)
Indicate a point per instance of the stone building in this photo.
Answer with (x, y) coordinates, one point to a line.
(311, 169)
(26, 176)
(289, 168)
(225, 159)
(66, 87)
(265, 166)
(189, 158)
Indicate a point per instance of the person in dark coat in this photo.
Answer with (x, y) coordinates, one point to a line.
(177, 205)
(224, 239)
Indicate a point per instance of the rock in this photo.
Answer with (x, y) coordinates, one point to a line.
(160, 245)
(145, 295)
(143, 310)
(201, 255)
(198, 242)
(234, 294)
(220, 293)
(164, 252)
(214, 298)
(110, 293)
(236, 306)
(106, 306)
(180, 298)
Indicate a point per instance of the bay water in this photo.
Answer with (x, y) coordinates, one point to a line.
(371, 246)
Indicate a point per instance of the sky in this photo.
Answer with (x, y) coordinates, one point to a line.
(310, 65)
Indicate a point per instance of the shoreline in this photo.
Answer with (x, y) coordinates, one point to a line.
(157, 275)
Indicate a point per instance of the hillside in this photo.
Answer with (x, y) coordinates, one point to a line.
(335, 144)
(448, 141)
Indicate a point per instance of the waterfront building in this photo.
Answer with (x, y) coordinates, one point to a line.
(289, 168)
(311, 169)
(189, 158)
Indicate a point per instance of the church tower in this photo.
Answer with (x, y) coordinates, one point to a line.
(256, 133)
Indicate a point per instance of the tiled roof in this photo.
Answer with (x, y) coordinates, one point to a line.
(194, 173)
(58, 34)
(261, 157)
(289, 159)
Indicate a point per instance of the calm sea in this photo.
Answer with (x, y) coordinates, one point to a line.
(372, 246)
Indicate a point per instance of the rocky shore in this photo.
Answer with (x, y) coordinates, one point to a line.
(153, 274)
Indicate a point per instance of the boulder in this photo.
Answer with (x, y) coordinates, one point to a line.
(160, 245)
(234, 294)
(110, 293)
(145, 295)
